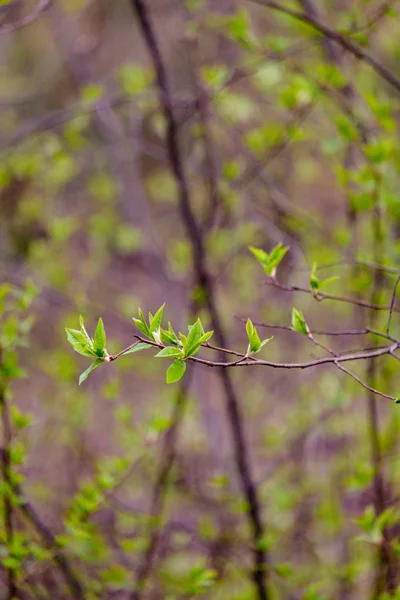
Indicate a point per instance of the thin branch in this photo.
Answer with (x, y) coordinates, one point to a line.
(252, 361)
(336, 37)
(392, 305)
(41, 6)
(288, 328)
(321, 296)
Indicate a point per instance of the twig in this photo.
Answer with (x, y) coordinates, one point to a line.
(252, 361)
(392, 305)
(322, 296)
(336, 37)
(42, 5)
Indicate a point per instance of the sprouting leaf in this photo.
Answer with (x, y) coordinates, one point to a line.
(169, 352)
(169, 336)
(298, 322)
(142, 327)
(327, 281)
(264, 342)
(205, 337)
(254, 339)
(175, 371)
(260, 255)
(183, 339)
(195, 333)
(78, 341)
(271, 261)
(86, 373)
(315, 283)
(138, 348)
(75, 336)
(83, 330)
(155, 322)
(141, 324)
(100, 336)
(397, 401)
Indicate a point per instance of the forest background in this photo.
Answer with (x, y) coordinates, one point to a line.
(237, 161)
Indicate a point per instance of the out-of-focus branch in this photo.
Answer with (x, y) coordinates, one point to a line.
(322, 296)
(194, 233)
(41, 6)
(168, 453)
(343, 41)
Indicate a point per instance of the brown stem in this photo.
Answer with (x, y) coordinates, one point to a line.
(194, 233)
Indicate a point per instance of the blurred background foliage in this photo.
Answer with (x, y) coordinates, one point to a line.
(302, 147)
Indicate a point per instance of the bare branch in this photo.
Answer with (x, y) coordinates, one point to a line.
(41, 6)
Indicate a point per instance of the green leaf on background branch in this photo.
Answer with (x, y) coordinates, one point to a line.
(298, 322)
(255, 344)
(316, 284)
(83, 344)
(270, 261)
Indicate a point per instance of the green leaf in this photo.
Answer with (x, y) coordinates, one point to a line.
(83, 330)
(327, 281)
(79, 342)
(298, 322)
(75, 336)
(141, 324)
(205, 337)
(183, 339)
(195, 334)
(155, 322)
(254, 340)
(169, 336)
(175, 371)
(138, 348)
(86, 373)
(275, 258)
(397, 401)
(260, 255)
(170, 352)
(271, 261)
(264, 342)
(100, 336)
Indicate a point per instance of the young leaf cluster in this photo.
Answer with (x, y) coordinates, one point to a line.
(94, 347)
(316, 284)
(299, 323)
(255, 344)
(271, 261)
(181, 346)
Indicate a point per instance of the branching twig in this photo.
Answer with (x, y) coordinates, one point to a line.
(392, 305)
(322, 296)
(336, 37)
(42, 5)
